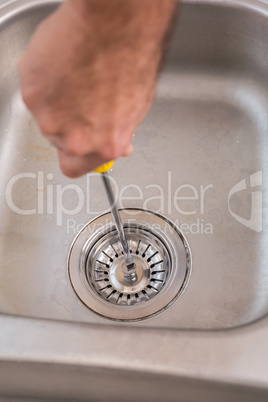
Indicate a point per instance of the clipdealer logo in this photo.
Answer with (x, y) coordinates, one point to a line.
(37, 194)
(255, 217)
(186, 200)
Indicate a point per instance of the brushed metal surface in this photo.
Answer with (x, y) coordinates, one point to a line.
(200, 159)
(83, 362)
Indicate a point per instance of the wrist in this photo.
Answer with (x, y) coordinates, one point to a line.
(123, 19)
(136, 27)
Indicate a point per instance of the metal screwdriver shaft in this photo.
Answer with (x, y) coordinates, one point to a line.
(129, 268)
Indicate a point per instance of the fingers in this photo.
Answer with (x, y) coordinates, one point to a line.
(76, 165)
(128, 150)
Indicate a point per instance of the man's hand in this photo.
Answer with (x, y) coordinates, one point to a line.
(88, 76)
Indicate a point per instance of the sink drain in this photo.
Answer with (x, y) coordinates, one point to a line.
(162, 259)
(104, 267)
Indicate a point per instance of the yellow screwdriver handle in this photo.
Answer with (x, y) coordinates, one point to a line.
(103, 168)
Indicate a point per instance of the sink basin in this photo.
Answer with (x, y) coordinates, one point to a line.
(200, 161)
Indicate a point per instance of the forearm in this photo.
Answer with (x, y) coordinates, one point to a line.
(150, 16)
(133, 25)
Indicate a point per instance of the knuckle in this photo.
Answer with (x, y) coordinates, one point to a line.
(67, 167)
(109, 154)
(111, 149)
(70, 172)
(73, 146)
(78, 141)
(28, 96)
(47, 124)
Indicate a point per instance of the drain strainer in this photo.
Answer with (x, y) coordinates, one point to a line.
(162, 259)
(152, 267)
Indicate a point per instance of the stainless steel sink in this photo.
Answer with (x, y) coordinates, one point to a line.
(200, 161)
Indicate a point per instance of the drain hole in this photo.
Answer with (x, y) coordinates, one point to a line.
(144, 253)
(119, 297)
(106, 255)
(156, 263)
(137, 250)
(112, 293)
(105, 287)
(153, 288)
(145, 293)
(101, 272)
(103, 263)
(115, 252)
(152, 256)
(128, 300)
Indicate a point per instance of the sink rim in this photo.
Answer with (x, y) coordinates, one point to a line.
(204, 355)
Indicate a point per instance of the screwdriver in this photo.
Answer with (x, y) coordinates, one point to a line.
(128, 268)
